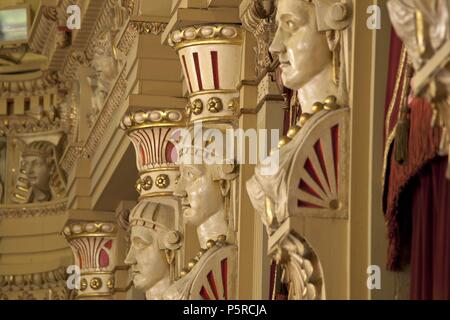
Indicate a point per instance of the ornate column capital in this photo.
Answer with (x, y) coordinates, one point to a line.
(151, 133)
(210, 57)
(93, 245)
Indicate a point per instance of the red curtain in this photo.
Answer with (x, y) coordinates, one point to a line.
(430, 242)
(416, 199)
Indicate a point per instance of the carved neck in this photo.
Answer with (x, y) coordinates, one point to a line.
(215, 226)
(319, 88)
(40, 195)
(156, 292)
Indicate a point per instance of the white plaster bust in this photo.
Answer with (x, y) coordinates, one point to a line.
(309, 44)
(205, 192)
(203, 200)
(153, 242)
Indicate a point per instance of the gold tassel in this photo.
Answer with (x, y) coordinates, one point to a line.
(404, 123)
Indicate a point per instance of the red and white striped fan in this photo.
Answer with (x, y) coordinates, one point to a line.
(217, 278)
(318, 178)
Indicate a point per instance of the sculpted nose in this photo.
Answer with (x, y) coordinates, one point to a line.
(179, 189)
(277, 45)
(130, 259)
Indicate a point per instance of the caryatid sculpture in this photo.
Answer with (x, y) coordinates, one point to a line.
(205, 189)
(40, 177)
(311, 44)
(210, 57)
(424, 27)
(155, 220)
(154, 241)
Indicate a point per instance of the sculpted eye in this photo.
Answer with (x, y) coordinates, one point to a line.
(189, 174)
(140, 244)
(291, 25)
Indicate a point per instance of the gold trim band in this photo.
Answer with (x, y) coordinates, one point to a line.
(224, 120)
(94, 273)
(159, 170)
(97, 235)
(156, 194)
(156, 125)
(213, 91)
(94, 295)
(185, 44)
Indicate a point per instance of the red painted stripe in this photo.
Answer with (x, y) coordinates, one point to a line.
(306, 188)
(197, 71)
(187, 73)
(215, 65)
(224, 269)
(304, 204)
(335, 139)
(204, 294)
(212, 284)
(312, 172)
(319, 152)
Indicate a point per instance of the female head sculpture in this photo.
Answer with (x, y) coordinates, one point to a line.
(153, 244)
(310, 46)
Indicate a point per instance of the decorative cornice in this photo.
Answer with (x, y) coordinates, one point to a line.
(145, 27)
(28, 125)
(135, 28)
(13, 85)
(51, 208)
(32, 281)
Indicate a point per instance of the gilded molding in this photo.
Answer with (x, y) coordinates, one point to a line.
(259, 21)
(57, 207)
(153, 118)
(32, 281)
(89, 229)
(38, 85)
(103, 120)
(204, 35)
(136, 28)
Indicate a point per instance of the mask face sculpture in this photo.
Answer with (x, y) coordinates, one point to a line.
(37, 171)
(40, 178)
(153, 243)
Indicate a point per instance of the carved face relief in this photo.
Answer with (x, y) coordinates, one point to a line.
(303, 51)
(37, 171)
(148, 264)
(201, 195)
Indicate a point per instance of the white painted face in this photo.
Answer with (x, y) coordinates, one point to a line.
(303, 51)
(147, 260)
(37, 171)
(201, 196)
